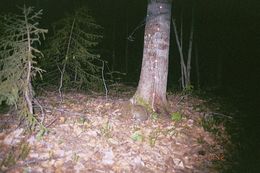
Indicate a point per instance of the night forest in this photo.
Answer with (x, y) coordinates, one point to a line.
(129, 86)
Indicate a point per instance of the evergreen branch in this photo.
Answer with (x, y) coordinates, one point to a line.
(78, 58)
(18, 58)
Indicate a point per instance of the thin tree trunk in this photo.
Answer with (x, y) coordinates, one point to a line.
(182, 62)
(181, 39)
(190, 52)
(197, 66)
(114, 39)
(185, 68)
(179, 44)
(28, 88)
(126, 43)
(65, 62)
(219, 70)
(153, 79)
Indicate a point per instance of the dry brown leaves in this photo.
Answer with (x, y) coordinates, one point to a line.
(87, 134)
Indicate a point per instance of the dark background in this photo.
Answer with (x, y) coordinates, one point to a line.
(226, 35)
(227, 38)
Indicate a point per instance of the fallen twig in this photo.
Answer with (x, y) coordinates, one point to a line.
(220, 114)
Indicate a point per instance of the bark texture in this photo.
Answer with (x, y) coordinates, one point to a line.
(153, 79)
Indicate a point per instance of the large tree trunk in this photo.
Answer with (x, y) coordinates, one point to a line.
(153, 79)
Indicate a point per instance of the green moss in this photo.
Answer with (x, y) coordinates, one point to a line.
(140, 101)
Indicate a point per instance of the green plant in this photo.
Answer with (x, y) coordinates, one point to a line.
(18, 59)
(43, 130)
(153, 137)
(176, 116)
(200, 140)
(210, 124)
(189, 89)
(154, 116)
(15, 154)
(72, 51)
(137, 136)
(171, 132)
(75, 157)
(82, 120)
(24, 151)
(106, 130)
(8, 160)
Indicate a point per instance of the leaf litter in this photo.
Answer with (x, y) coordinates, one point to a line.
(89, 133)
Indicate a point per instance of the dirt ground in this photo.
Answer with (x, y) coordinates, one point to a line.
(89, 133)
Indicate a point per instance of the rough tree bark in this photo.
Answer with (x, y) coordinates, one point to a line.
(152, 85)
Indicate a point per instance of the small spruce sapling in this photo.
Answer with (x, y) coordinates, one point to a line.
(18, 59)
(72, 51)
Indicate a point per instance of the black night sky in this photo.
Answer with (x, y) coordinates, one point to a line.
(227, 36)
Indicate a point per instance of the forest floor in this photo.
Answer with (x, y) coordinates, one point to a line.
(89, 133)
